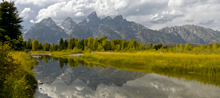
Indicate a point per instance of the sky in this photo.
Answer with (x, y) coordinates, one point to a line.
(154, 14)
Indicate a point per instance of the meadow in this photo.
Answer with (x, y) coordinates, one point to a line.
(206, 64)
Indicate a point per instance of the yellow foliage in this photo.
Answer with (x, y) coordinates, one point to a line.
(166, 62)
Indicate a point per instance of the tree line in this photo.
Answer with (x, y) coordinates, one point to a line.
(89, 44)
(103, 44)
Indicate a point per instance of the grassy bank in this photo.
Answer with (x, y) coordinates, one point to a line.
(17, 79)
(57, 53)
(207, 64)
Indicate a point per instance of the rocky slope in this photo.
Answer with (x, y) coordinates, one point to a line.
(192, 34)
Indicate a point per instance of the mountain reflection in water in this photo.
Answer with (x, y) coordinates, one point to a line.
(58, 80)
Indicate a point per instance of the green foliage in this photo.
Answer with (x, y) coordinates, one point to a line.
(71, 43)
(158, 46)
(95, 44)
(35, 45)
(46, 46)
(28, 44)
(116, 45)
(61, 45)
(16, 79)
(9, 22)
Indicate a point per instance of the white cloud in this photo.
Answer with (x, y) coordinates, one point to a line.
(59, 11)
(79, 9)
(151, 13)
(166, 16)
(181, 3)
(25, 13)
(37, 2)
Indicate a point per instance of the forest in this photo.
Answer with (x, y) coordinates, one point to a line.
(116, 45)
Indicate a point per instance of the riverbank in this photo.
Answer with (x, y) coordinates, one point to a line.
(57, 53)
(206, 64)
(17, 79)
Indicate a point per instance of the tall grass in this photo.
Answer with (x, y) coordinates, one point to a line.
(55, 53)
(208, 64)
(17, 79)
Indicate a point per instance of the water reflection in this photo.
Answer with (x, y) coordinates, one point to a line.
(58, 80)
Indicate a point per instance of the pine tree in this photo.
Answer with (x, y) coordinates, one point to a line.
(28, 44)
(65, 44)
(10, 22)
(61, 47)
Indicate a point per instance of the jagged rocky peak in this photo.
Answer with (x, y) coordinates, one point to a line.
(107, 19)
(92, 21)
(67, 24)
(93, 14)
(93, 18)
(47, 22)
(68, 19)
(119, 17)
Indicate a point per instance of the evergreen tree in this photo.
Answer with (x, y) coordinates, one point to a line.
(81, 44)
(65, 44)
(10, 22)
(28, 44)
(61, 45)
(158, 46)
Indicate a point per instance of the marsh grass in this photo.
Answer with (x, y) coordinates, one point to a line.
(207, 64)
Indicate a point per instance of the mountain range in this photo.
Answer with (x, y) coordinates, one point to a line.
(119, 28)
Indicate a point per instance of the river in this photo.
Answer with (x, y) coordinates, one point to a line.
(70, 78)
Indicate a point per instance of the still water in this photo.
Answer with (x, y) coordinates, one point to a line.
(70, 78)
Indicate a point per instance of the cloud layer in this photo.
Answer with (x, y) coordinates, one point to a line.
(154, 14)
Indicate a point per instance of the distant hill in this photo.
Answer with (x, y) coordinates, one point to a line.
(118, 27)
